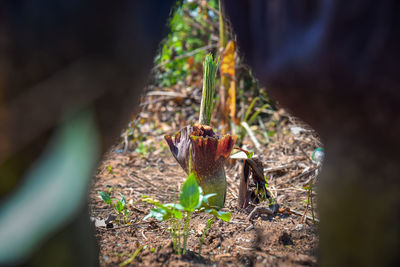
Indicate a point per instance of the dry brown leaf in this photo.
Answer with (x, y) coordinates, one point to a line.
(228, 60)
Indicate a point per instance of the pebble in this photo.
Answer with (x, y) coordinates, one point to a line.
(299, 227)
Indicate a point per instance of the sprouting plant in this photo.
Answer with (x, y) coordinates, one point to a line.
(248, 120)
(309, 201)
(199, 141)
(143, 149)
(178, 215)
(119, 205)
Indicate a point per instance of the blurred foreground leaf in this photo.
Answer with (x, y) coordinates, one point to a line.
(55, 188)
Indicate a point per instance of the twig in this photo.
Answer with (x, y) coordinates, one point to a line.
(143, 235)
(251, 135)
(166, 93)
(301, 214)
(279, 168)
(259, 210)
(244, 248)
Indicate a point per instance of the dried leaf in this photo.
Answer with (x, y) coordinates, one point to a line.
(228, 60)
(253, 167)
(232, 100)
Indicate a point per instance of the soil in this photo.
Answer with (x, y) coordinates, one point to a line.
(283, 239)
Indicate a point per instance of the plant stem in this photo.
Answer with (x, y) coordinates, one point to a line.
(311, 200)
(209, 223)
(222, 29)
(209, 71)
(186, 231)
(137, 251)
(173, 235)
(178, 228)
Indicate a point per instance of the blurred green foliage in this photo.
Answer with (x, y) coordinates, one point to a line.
(192, 26)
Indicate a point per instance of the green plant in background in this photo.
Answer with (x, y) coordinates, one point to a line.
(143, 149)
(119, 205)
(191, 200)
(248, 120)
(193, 32)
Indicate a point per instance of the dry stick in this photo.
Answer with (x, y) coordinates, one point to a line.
(279, 168)
(259, 210)
(209, 70)
(251, 135)
(301, 214)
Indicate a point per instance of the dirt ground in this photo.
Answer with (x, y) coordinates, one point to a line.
(282, 239)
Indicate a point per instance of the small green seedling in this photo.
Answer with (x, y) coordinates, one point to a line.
(110, 170)
(191, 200)
(119, 205)
(309, 201)
(143, 149)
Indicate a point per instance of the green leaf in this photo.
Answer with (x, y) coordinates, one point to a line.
(206, 197)
(190, 194)
(163, 213)
(159, 214)
(169, 208)
(123, 200)
(248, 111)
(176, 213)
(174, 206)
(119, 206)
(223, 215)
(105, 197)
(255, 114)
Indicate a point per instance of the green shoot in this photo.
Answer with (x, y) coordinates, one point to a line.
(210, 67)
(137, 251)
(208, 226)
(191, 200)
(309, 201)
(119, 205)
